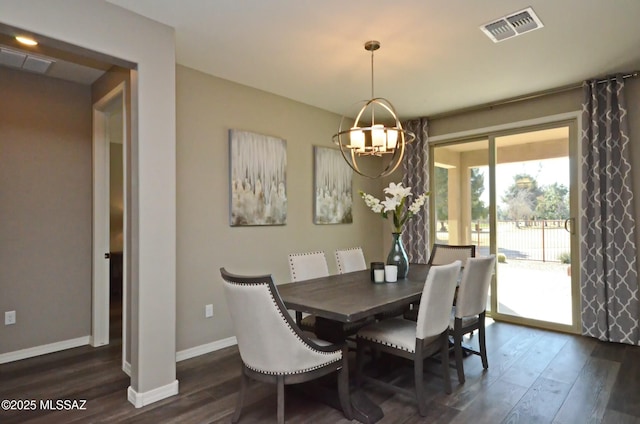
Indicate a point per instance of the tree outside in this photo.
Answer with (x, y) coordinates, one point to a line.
(525, 200)
(478, 209)
(554, 203)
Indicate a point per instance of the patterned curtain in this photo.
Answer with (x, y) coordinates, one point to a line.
(415, 165)
(608, 277)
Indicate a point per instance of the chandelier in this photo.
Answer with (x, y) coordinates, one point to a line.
(376, 131)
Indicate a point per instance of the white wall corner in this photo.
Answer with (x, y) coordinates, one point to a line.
(143, 399)
(205, 348)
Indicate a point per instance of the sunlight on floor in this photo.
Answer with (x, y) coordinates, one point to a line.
(537, 290)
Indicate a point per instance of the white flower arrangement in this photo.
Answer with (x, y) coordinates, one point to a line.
(395, 204)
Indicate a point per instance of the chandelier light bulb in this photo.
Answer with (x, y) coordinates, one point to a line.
(377, 137)
(392, 138)
(356, 139)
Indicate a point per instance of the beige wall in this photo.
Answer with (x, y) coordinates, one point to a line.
(45, 205)
(513, 112)
(206, 242)
(207, 108)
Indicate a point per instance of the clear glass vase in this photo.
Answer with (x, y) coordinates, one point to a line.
(398, 256)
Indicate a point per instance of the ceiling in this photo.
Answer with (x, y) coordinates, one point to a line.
(434, 58)
(64, 65)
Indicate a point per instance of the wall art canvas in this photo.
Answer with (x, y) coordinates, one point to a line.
(332, 187)
(258, 166)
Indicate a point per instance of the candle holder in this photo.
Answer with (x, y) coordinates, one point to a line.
(377, 272)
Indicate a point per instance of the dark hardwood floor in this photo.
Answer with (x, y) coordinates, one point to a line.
(534, 376)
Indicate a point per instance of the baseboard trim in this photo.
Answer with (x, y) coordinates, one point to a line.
(43, 349)
(127, 368)
(205, 348)
(142, 399)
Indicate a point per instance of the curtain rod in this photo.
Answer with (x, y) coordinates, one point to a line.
(537, 94)
(633, 74)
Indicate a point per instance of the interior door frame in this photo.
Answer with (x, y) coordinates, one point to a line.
(573, 121)
(100, 222)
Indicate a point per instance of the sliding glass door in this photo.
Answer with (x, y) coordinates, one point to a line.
(461, 194)
(510, 194)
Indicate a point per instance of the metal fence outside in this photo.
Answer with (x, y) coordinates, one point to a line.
(539, 240)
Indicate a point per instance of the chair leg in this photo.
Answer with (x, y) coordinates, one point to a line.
(343, 385)
(418, 369)
(482, 341)
(280, 385)
(444, 358)
(244, 382)
(457, 348)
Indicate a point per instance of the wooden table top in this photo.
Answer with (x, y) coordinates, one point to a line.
(353, 296)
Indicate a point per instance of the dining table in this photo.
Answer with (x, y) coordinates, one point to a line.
(349, 298)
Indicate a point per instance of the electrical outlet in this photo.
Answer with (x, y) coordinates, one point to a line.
(208, 311)
(9, 317)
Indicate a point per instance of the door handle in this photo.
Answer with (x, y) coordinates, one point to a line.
(107, 255)
(569, 224)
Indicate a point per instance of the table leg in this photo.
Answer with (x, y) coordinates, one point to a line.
(329, 330)
(364, 409)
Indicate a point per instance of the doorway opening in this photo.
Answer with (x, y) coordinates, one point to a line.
(109, 224)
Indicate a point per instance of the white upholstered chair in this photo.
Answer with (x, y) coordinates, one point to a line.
(272, 347)
(469, 312)
(350, 260)
(305, 266)
(416, 340)
(443, 254)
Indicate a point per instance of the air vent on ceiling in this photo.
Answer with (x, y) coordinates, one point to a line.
(28, 62)
(512, 25)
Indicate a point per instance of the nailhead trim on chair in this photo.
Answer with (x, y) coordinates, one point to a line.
(387, 344)
(339, 262)
(293, 268)
(294, 333)
(291, 373)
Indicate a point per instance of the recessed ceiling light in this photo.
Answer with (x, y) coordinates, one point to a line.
(27, 41)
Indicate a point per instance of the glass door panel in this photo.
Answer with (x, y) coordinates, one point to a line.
(533, 241)
(461, 195)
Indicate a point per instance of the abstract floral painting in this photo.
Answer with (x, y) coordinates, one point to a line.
(258, 166)
(332, 187)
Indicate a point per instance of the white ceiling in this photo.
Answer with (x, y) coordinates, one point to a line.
(433, 59)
